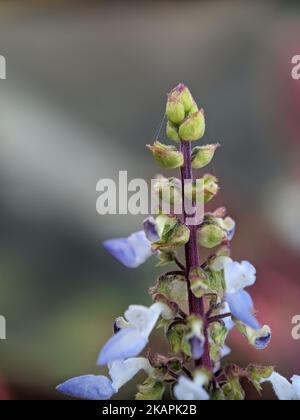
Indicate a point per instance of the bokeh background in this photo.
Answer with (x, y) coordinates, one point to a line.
(85, 90)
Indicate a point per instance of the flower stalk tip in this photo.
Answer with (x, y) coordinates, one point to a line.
(195, 305)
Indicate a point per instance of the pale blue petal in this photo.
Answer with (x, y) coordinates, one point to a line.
(128, 342)
(242, 308)
(231, 232)
(132, 251)
(197, 347)
(88, 387)
(261, 343)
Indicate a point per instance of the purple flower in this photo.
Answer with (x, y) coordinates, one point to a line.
(263, 341)
(150, 228)
(126, 343)
(237, 277)
(91, 387)
(197, 347)
(88, 387)
(242, 308)
(132, 251)
(134, 334)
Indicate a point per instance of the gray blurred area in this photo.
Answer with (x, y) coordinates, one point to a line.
(85, 91)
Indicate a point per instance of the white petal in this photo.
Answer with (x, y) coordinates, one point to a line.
(296, 385)
(282, 388)
(200, 379)
(121, 323)
(188, 390)
(225, 351)
(123, 371)
(239, 275)
(143, 318)
(164, 309)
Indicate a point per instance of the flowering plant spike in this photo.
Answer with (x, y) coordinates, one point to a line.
(196, 304)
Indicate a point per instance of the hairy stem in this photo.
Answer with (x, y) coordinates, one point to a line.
(196, 305)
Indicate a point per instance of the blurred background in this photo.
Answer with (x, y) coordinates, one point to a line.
(85, 91)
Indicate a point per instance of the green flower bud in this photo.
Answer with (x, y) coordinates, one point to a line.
(193, 127)
(172, 132)
(211, 187)
(203, 155)
(210, 236)
(168, 157)
(174, 110)
(152, 389)
(194, 108)
(184, 96)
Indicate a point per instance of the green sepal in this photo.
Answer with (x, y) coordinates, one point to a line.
(218, 333)
(258, 374)
(176, 336)
(218, 395)
(172, 286)
(151, 389)
(199, 282)
(210, 236)
(173, 235)
(233, 390)
(165, 258)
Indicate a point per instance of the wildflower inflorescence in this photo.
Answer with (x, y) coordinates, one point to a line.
(197, 304)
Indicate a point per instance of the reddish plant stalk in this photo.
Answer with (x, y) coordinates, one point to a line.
(196, 305)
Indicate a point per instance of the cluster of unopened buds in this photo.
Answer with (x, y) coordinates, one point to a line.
(197, 304)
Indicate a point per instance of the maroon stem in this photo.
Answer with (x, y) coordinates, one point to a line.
(196, 305)
(218, 318)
